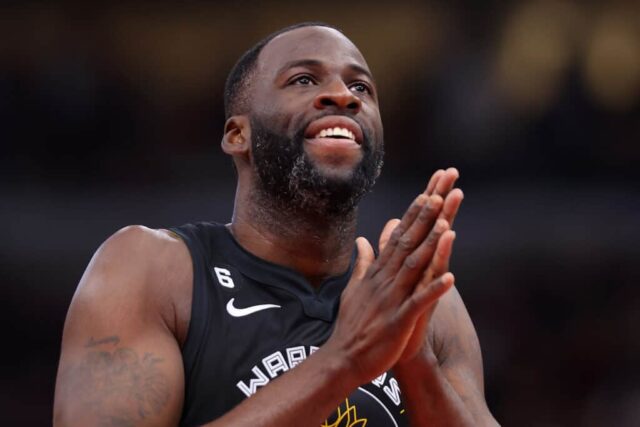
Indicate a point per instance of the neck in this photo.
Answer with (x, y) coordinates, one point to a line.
(316, 245)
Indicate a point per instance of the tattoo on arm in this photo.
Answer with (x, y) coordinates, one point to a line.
(120, 386)
(93, 342)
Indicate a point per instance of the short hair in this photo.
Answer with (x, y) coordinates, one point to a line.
(235, 88)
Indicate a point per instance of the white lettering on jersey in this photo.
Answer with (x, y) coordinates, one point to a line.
(393, 391)
(378, 382)
(254, 383)
(295, 355)
(275, 363)
(224, 277)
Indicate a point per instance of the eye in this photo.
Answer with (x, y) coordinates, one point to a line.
(360, 87)
(303, 80)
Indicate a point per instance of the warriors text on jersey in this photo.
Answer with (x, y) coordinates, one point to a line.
(252, 321)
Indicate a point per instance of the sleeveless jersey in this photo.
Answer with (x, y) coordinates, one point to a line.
(251, 321)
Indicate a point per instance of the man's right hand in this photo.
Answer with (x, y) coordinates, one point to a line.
(386, 296)
(442, 183)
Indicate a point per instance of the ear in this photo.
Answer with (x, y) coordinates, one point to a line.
(236, 141)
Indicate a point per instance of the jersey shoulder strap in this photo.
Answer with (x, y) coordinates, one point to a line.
(202, 240)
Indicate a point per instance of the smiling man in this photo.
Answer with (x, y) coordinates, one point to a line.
(281, 317)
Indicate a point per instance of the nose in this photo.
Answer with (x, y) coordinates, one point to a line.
(337, 94)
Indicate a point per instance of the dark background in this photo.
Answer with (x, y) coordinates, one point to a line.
(112, 115)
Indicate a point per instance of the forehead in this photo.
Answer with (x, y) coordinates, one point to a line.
(319, 43)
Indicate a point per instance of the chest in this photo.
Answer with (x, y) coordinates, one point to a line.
(254, 332)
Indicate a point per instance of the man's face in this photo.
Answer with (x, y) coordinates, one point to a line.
(317, 140)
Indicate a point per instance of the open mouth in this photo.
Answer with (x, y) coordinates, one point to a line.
(337, 133)
(336, 128)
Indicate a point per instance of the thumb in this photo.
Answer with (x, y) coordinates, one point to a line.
(386, 233)
(365, 258)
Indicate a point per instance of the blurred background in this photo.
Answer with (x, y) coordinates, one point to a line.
(112, 115)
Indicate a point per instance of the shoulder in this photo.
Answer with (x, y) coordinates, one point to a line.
(142, 251)
(139, 240)
(139, 259)
(147, 270)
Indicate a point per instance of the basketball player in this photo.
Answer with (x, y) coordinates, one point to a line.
(281, 317)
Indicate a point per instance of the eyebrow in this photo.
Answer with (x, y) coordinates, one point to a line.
(316, 63)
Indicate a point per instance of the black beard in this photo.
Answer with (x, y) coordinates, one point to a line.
(290, 183)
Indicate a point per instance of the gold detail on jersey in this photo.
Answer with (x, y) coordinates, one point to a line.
(347, 417)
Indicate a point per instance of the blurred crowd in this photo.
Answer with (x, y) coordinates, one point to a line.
(112, 115)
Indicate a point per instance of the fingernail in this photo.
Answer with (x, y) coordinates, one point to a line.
(448, 278)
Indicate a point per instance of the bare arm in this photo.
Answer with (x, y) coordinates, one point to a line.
(447, 389)
(121, 363)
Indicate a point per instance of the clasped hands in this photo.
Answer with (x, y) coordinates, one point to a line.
(386, 307)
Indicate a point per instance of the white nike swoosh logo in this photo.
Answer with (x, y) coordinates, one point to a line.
(240, 312)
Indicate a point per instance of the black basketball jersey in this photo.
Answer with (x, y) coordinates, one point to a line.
(252, 321)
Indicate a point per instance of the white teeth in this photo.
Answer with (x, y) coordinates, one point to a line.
(324, 133)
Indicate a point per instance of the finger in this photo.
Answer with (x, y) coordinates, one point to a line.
(446, 182)
(364, 259)
(402, 242)
(363, 262)
(451, 205)
(405, 223)
(415, 264)
(386, 233)
(431, 186)
(423, 298)
(440, 261)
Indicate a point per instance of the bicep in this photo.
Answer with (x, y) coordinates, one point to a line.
(121, 381)
(459, 354)
(120, 365)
